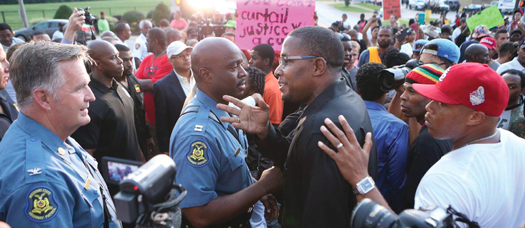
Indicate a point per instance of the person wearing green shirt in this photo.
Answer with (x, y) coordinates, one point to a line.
(102, 23)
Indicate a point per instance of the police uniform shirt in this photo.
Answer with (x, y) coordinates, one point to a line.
(210, 159)
(140, 50)
(112, 128)
(45, 182)
(309, 172)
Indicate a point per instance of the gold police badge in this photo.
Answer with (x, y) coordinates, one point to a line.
(198, 154)
(41, 206)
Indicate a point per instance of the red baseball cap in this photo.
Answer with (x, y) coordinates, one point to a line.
(488, 42)
(473, 85)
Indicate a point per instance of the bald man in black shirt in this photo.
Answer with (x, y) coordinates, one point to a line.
(111, 131)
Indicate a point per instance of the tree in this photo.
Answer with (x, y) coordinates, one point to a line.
(63, 12)
(133, 17)
(150, 14)
(161, 12)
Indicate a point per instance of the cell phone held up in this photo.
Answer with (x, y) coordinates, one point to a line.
(401, 36)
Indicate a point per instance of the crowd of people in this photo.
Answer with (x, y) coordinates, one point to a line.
(265, 138)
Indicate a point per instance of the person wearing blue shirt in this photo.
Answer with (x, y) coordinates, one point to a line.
(390, 133)
(46, 178)
(210, 153)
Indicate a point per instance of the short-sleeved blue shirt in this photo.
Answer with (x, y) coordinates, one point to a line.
(45, 182)
(209, 158)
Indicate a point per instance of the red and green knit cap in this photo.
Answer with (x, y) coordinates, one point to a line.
(425, 74)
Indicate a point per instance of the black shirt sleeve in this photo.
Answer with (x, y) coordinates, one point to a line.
(88, 135)
(426, 152)
(275, 146)
(163, 133)
(4, 125)
(324, 185)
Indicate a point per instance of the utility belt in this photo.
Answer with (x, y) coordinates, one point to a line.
(241, 221)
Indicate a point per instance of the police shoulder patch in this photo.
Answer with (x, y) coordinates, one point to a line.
(41, 205)
(198, 154)
(137, 46)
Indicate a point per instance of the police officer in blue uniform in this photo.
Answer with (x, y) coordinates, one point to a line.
(46, 178)
(210, 153)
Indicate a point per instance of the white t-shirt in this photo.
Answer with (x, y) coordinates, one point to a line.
(514, 64)
(483, 181)
(456, 33)
(57, 35)
(347, 25)
(407, 49)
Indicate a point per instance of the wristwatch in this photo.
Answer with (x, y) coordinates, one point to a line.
(364, 186)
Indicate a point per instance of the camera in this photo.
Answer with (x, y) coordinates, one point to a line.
(90, 19)
(370, 214)
(389, 77)
(149, 197)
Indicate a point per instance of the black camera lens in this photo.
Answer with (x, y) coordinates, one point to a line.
(390, 76)
(370, 214)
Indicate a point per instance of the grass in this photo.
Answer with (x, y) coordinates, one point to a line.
(369, 6)
(399, 22)
(47, 10)
(350, 8)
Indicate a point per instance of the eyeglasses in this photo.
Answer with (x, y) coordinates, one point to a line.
(180, 56)
(283, 61)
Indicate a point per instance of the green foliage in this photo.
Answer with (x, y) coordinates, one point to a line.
(161, 12)
(150, 14)
(63, 12)
(112, 21)
(132, 17)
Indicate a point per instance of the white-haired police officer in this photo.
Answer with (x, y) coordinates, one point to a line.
(46, 178)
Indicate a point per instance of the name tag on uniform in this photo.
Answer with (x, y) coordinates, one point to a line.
(86, 186)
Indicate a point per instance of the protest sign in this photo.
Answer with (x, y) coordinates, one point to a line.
(270, 21)
(489, 17)
(391, 7)
(421, 18)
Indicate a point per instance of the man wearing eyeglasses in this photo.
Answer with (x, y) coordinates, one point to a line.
(517, 63)
(313, 78)
(171, 91)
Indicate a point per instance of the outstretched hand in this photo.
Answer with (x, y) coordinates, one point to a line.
(351, 159)
(271, 210)
(251, 119)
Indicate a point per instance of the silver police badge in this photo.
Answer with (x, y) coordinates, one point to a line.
(477, 97)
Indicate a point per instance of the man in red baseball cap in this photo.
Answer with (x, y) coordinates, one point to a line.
(491, 44)
(483, 176)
